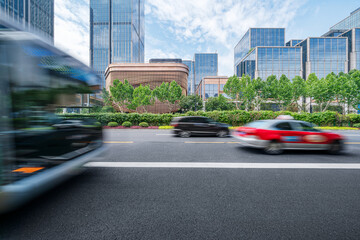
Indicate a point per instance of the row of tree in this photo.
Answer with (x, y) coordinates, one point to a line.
(342, 90)
(125, 97)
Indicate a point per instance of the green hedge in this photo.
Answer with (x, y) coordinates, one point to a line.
(234, 118)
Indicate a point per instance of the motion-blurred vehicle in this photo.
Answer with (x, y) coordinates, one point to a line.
(190, 126)
(39, 149)
(275, 136)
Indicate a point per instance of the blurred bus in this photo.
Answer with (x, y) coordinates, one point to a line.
(39, 149)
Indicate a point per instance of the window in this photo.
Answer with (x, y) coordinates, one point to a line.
(284, 126)
(306, 128)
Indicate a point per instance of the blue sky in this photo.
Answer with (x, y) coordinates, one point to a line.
(180, 28)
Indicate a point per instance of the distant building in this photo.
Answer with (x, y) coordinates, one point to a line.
(205, 64)
(117, 33)
(191, 77)
(211, 87)
(36, 16)
(151, 74)
(166, 60)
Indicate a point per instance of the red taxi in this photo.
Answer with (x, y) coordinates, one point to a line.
(275, 136)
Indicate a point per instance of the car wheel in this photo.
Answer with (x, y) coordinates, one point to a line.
(222, 133)
(336, 147)
(273, 148)
(184, 134)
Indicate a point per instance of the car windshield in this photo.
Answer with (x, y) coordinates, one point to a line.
(257, 124)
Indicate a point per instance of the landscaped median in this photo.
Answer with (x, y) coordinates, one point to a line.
(138, 127)
(233, 118)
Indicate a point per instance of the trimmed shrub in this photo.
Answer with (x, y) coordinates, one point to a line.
(357, 125)
(127, 124)
(113, 124)
(144, 124)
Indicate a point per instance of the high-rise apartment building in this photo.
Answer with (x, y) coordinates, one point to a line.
(205, 65)
(117, 33)
(36, 16)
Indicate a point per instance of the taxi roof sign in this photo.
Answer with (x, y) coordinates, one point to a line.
(285, 117)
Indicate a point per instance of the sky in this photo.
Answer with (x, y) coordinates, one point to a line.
(181, 28)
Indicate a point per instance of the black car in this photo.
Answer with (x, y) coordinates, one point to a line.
(188, 126)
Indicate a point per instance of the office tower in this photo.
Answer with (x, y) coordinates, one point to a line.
(266, 61)
(324, 55)
(116, 33)
(353, 37)
(255, 37)
(205, 65)
(191, 77)
(36, 16)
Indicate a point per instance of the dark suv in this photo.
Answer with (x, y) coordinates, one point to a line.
(188, 126)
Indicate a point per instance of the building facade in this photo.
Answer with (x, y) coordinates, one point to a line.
(352, 21)
(205, 64)
(117, 33)
(353, 37)
(293, 42)
(151, 74)
(165, 60)
(255, 37)
(191, 77)
(324, 55)
(36, 16)
(265, 61)
(211, 87)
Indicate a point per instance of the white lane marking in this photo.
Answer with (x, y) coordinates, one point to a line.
(224, 165)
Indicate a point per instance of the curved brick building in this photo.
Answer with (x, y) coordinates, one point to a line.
(152, 74)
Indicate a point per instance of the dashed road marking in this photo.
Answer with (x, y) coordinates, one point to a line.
(206, 165)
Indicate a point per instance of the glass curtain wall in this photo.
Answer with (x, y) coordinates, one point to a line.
(278, 61)
(326, 55)
(353, 21)
(116, 33)
(206, 64)
(99, 36)
(36, 16)
(190, 65)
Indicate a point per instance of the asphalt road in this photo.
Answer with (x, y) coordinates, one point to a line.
(181, 202)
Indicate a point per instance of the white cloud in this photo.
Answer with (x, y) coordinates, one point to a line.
(72, 28)
(222, 22)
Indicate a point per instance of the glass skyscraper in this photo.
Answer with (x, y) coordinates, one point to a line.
(36, 16)
(324, 55)
(205, 65)
(255, 37)
(191, 77)
(117, 33)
